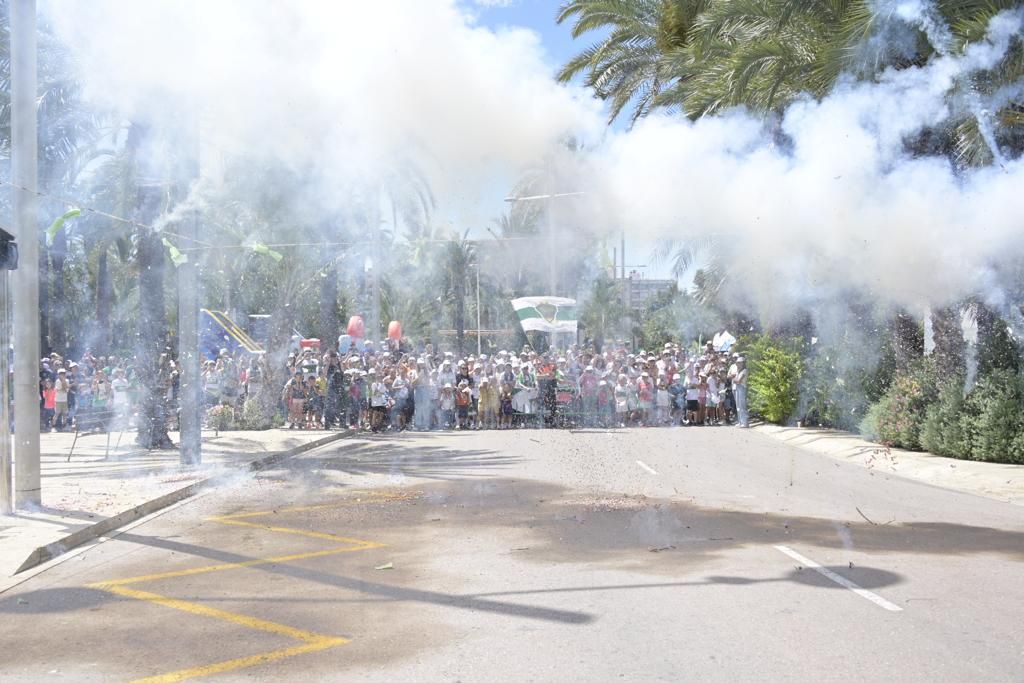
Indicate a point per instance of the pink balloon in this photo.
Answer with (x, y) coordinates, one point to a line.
(394, 330)
(356, 327)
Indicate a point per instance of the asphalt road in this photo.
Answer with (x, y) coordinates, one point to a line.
(639, 555)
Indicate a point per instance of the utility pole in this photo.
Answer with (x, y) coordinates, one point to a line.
(24, 148)
(189, 391)
(6, 483)
(552, 276)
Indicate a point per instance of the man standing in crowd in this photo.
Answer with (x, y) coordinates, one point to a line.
(739, 389)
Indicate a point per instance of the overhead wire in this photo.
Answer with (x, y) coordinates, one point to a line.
(207, 245)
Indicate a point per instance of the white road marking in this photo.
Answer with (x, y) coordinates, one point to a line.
(841, 580)
(646, 466)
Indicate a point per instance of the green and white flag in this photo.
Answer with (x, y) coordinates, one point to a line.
(546, 313)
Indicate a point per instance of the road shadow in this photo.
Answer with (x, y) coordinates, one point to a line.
(397, 458)
(620, 531)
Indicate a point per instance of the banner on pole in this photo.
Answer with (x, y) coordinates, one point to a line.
(546, 313)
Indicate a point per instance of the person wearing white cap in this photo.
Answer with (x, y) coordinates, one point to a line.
(446, 375)
(645, 397)
(379, 400)
(622, 398)
(447, 403)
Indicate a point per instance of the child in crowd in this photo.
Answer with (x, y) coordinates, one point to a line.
(49, 404)
(489, 404)
(447, 404)
(621, 393)
(463, 400)
(662, 402)
(505, 401)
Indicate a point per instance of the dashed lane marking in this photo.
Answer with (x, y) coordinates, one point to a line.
(841, 580)
(646, 467)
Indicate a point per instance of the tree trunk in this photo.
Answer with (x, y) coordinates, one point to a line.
(151, 347)
(44, 297)
(58, 255)
(104, 301)
(460, 312)
(273, 362)
(949, 342)
(907, 340)
(329, 322)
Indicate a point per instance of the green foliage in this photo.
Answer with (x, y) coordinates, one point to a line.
(943, 430)
(993, 418)
(704, 58)
(58, 224)
(220, 418)
(996, 348)
(897, 419)
(924, 410)
(832, 396)
(252, 417)
(775, 368)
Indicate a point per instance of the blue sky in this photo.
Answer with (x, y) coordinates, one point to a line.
(559, 45)
(538, 15)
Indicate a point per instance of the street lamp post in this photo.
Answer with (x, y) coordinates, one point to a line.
(552, 274)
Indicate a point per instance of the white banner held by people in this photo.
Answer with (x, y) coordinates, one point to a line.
(546, 313)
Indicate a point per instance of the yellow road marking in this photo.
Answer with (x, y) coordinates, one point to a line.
(370, 497)
(240, 663)
(312, 642)
(213, 612)
(363, 545)
(289, 530)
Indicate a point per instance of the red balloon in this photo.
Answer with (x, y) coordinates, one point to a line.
(394, 330)
(356, 327)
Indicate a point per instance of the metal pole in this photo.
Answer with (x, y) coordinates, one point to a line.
(479, 344)
(552, 278)
(27, 484)
(6, 491)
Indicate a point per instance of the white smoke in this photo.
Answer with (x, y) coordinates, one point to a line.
(841, 206)
(351, 88)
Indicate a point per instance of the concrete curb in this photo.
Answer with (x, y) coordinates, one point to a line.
(57, 548)
(1003, 482)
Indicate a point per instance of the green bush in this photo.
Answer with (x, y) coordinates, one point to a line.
(943, 430)
(832, 396)
(220, 418)
(993, 418)
(252, 417)
(897, 419)
(774, 379)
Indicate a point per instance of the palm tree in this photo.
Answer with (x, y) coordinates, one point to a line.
(641, 54)
(458, 257)
(603, 309)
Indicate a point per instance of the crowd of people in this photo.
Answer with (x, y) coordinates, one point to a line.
(102, 383)
(578, 386)
(398, 388)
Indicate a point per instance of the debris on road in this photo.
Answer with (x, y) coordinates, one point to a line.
(870, 521)
(661, 549)
(389, 565)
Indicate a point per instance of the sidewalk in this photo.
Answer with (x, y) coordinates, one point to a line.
(91, 488)
(993, 480)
